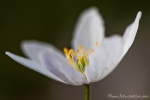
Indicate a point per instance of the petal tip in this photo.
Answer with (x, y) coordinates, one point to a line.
(91, 10)
(27, 42)
(139, 14)
(24, 43)
(7, 53)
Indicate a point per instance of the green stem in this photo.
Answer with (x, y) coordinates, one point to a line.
(87, 91)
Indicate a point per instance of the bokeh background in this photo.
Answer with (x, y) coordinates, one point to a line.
(53, 21)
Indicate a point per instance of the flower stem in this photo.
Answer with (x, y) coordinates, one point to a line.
(87, 91)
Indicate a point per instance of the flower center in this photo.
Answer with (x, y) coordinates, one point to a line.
(79, 58)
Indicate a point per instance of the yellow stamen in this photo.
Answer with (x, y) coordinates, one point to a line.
(80, 47)
(77, 59)
(86, 63)
(90, 51)
(77, 52)
(71, 52)
(65, 51)
(96, 43)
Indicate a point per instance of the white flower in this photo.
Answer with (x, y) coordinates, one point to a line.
(93, 55)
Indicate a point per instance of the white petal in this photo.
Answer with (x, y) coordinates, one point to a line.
(113, 51)
(127, 41)
(58, 65)
(89, 29)
(100, 63)
(130, 33)
(32, 47)
(33, 65)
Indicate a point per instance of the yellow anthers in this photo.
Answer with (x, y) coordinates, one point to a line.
(71, 51)
(86, 63)
(84, 57)
(77, 52)
(83, 53)
(65, 51)
(80, 47)
(96, 43)
(70, 57)
(71, 63)
(90, 51)
(77, 59)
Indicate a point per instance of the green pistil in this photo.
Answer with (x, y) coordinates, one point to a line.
(81, 64)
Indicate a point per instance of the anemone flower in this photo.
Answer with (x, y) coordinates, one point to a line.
(92, 57)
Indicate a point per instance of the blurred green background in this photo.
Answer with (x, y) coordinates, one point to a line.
(53, 21)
